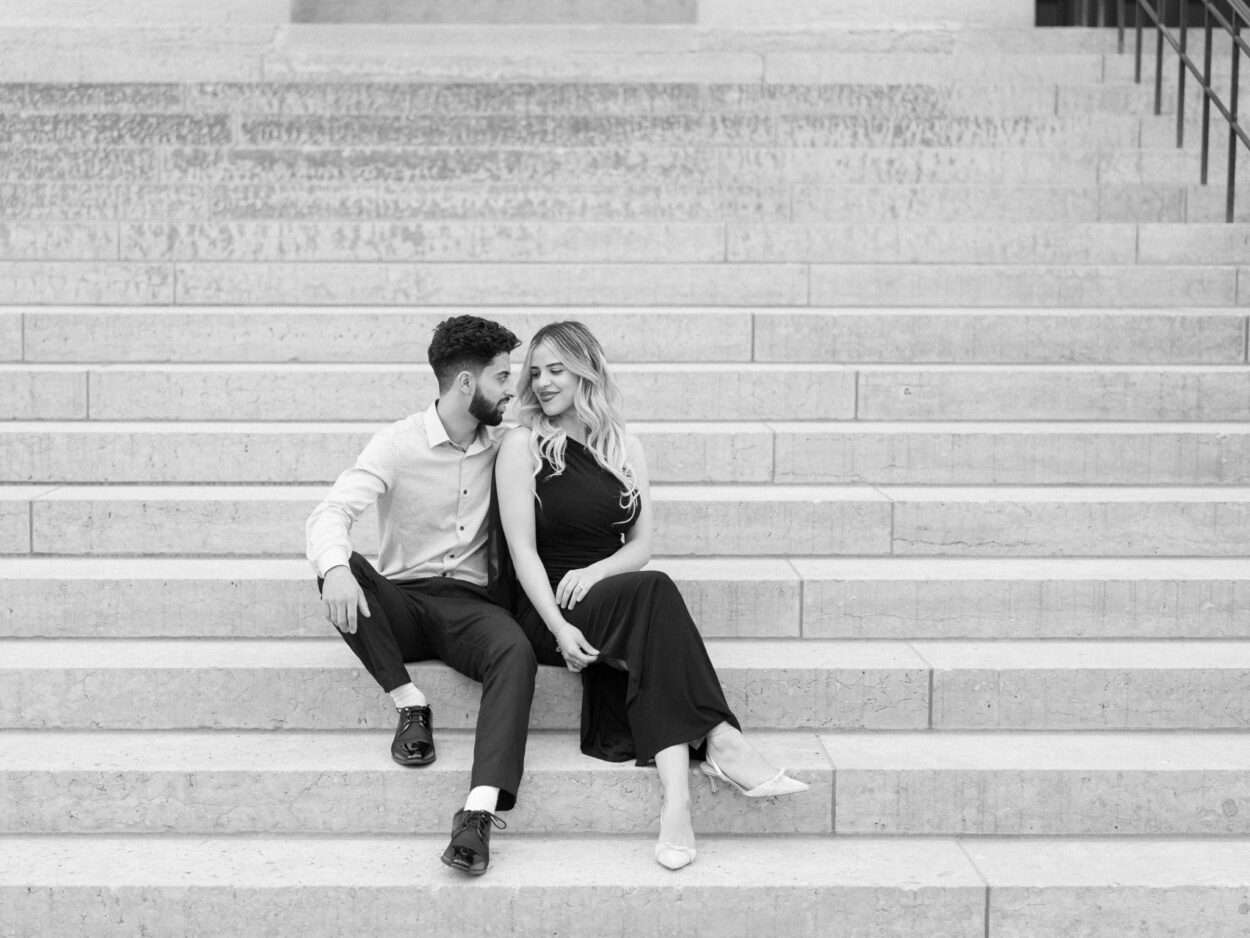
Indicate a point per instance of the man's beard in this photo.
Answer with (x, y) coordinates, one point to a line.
(486, 412)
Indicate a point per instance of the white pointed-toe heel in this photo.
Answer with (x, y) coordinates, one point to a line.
(779, 784)
(673, 856)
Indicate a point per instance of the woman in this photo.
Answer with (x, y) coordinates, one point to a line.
(576, 510)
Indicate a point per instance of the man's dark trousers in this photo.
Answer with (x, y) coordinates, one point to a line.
(457, 623)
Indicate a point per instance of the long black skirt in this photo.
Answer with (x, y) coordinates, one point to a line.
(654, 685)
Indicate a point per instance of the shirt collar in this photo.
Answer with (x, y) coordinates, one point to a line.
(436, 433)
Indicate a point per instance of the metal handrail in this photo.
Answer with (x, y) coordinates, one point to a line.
(1240, 15)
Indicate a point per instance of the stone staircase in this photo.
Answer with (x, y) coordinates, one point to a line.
(941, 366)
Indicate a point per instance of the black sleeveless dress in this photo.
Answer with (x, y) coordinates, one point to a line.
(654, 685)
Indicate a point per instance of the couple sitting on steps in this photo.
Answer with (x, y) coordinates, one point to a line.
(573, 501)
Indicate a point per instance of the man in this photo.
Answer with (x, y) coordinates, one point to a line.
(430, 475)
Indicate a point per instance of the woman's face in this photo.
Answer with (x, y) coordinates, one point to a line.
(552, 383)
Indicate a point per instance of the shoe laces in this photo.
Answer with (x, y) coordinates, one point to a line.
(418, 715)
(480, 821)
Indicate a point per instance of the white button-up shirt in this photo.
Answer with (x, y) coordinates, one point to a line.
(432, 497)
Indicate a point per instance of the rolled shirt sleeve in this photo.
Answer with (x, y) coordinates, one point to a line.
(328, 542)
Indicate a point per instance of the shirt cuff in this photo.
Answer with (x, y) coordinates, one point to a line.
(334, 557)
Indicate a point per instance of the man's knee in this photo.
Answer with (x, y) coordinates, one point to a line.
(513, 655)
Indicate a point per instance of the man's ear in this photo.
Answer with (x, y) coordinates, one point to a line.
(464, 382)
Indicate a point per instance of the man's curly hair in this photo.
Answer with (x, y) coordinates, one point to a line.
(467, 343)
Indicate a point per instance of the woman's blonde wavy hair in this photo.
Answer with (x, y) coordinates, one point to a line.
(596, 400)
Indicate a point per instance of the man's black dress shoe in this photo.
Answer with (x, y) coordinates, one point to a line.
(414, 737)
(469, 850)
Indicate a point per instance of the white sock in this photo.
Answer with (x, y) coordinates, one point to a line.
(482, 798)
(407, 695)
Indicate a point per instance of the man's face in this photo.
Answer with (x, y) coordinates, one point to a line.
(493, 392)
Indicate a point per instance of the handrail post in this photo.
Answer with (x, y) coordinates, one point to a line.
(1180, 91)
(1138, 29)
(1206, 83)
(1160, 12)
(1231, 200)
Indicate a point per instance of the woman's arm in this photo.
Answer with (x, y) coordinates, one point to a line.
(513, 485)
(634, 554)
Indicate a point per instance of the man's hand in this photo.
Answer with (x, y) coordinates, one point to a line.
(343, 596)
(574, 649)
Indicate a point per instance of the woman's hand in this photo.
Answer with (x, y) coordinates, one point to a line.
(574, 649)
(574, 586)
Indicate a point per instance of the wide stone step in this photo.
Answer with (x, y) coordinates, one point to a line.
(685, 391)
(749, 597)
(791, 521)
(598, 99)
(1006, 285)
(235, 684)
(318, 452)
(739, 886)
(898, 453)
(916, 335)
(559, 130)
(1079, 165)
(260, 598)
(345, 783)
(781, 684)
(269, 520)
(147, 209)
(1002, 784)
(402, 51)
(897, 285)
(913, 241)
(734, 392)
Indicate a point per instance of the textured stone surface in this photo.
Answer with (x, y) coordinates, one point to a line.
(276, 241)
(1001, 335)
(493, 11)
(1090, 685)
(99, 452)
(783, 521)
(365, 201)
(33, 164)
(242, 334)
(1187, 244)
(1040, 784)
(1070, 522)
(738, 887)
(129, 53)
(231, 685)
(1012, 454)
(11, 338)
(803, 130)
(1055, 393)
(346, 783)
(267, 598)
(929, 203)
(42, 393)
(19, 241)
(1138, 888)
(593, 98)
(802, 67)
(854, 685)
(477, 284)
(890, 285)
(14, 526)
(117, 130)
(379, 393)
(85, 283)
(938, 241)
(1022, 599)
